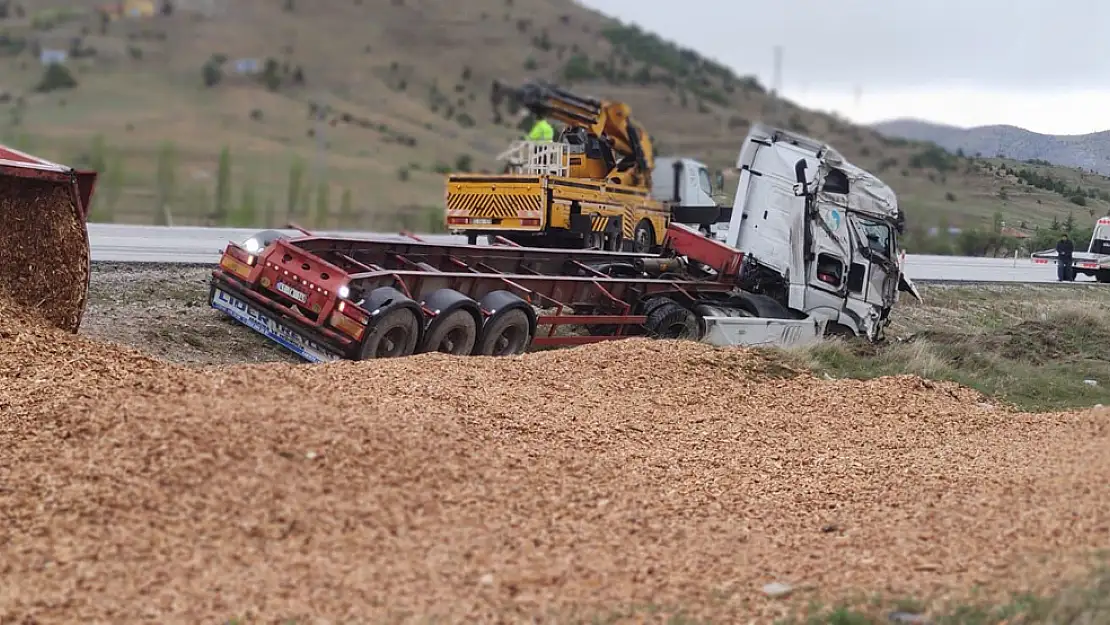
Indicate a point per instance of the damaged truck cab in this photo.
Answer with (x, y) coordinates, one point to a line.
(820, 235)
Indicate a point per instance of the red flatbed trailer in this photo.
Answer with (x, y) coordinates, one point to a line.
(330, 298)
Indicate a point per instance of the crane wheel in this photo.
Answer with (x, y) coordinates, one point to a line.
(671, 320)
(643, 238)
(506, 334)
(454, 334)
(393, 336)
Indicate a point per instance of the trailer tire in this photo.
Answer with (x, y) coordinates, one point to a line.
(671, 320)
(395, 335)
(506, 334)
(453, 333)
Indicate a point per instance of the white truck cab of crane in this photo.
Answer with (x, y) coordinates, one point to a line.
(820, 235)
(685, 185)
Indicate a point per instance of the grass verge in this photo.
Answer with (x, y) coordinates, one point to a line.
(1086, 603)
(1036, 351)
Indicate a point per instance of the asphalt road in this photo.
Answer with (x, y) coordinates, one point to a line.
(153, 244)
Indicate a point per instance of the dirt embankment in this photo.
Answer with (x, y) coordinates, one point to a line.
(579, 482)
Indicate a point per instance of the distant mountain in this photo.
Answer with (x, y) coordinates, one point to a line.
(1090, 151)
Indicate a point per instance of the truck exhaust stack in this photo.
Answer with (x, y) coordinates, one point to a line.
(44, 254)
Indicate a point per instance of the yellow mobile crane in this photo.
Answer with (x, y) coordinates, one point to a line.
(593, 187)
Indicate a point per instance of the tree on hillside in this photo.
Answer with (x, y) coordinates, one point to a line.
(55, 77)
(296, 181)
(346, 210)
(223, 187)
(166, 182)
(323, 204)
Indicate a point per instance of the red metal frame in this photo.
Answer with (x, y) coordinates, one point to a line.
(558, 279)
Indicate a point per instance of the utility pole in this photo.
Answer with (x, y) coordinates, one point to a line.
(776, 84)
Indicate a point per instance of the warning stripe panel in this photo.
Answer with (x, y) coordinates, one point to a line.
(599, 223)
(495, 205)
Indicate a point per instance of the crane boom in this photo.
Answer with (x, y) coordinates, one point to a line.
(610, 122)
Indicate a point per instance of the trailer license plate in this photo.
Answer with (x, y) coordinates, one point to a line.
(482, 221)
(300, 296)
(269, 327)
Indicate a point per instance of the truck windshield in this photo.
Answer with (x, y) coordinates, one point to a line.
(703, 179)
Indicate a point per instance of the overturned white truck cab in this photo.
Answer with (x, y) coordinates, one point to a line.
(820, 236)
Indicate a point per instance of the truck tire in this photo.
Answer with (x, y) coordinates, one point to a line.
(507, 334)
(762, 306)
(454, 334)
(671, 320)
(643, 238)
(1103, 276)
(393, 336)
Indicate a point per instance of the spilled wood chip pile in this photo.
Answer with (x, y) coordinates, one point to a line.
(562, 485)
(44, 252)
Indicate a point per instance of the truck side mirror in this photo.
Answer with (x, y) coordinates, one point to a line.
(720, 180)
(801, 187)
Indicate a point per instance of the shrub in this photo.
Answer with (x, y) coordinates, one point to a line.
(56, 76)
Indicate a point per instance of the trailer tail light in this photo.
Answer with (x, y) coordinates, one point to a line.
(350, 320)
(529, 222)
(237, 261)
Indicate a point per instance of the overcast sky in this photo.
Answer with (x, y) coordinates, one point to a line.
(1039, 64)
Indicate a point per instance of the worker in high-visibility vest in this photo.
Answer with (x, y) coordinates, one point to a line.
(541, 131)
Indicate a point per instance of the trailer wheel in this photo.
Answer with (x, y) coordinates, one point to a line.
(393, 336)
(507, 334)
(454, 334)
(671, 320)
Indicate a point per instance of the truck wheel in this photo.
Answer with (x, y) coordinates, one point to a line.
(507, 335)
(393, 336)
(643, 238)
(671, 320)
(1103, 276)
(614, 242)
(454, 334)
(595, 241)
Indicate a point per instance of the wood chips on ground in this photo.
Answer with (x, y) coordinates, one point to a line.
(572, 483)
(44, 250)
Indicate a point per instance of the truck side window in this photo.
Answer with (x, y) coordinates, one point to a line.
(830, 269)
(878, 236)
(836, 182)
(703, 179)
(1101, 243)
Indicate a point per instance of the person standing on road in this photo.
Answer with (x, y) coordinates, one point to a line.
(1064, 249)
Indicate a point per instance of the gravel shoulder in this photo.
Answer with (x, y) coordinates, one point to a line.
(163, 310)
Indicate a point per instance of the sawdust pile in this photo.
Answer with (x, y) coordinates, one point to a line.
(44, 250)
(562, 484)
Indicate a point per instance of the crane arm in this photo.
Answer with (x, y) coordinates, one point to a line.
(599, 117)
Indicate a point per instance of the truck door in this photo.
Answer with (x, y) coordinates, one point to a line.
(873, 268)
